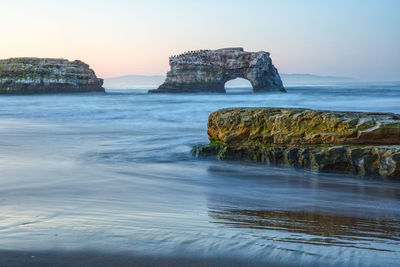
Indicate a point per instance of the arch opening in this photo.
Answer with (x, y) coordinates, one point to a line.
(238, 85)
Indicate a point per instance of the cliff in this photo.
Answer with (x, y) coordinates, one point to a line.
(47, 75)
(209, 70)
(351, 142)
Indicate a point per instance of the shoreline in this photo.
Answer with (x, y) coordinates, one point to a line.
(11, 258)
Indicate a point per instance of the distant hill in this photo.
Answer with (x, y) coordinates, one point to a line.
(298, 78)
(147, 82)
(134, 82)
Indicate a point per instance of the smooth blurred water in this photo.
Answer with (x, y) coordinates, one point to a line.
(113, 172)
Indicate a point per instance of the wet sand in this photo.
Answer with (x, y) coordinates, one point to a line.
(96, 259)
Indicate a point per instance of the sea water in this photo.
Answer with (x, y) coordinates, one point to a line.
(113, 172)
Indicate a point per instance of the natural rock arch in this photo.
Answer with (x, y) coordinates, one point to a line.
(237, 83)
(209, 70)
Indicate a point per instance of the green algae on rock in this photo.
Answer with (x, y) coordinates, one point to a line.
(366, 144)
(47, 75)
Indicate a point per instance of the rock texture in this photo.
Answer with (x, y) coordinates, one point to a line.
(366, 144)
(47, 75)
(209, 70)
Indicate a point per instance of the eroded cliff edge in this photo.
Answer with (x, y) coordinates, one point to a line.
(47, 75)
(209, 70)
(365, 144)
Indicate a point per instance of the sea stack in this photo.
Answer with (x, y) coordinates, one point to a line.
(358, 143)
(209, 70)
(47, 75)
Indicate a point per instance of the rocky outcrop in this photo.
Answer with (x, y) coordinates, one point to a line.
(47, 75)
(366, 144)
(209, 70)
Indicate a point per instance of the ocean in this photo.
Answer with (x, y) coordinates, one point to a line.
(113, 173)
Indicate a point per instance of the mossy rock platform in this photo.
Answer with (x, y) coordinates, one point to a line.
(358, 143)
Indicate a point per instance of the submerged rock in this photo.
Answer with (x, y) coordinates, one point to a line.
(366, 144)
(47, 75)
(209, 70)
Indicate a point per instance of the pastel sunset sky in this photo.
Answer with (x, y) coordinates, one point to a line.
(356, 38)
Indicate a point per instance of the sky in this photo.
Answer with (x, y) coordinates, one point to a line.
(354, 38)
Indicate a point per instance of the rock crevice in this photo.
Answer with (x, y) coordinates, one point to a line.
(209, 70)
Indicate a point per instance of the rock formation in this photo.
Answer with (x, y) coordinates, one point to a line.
(209, 70)
(46, 75)
(351, 142)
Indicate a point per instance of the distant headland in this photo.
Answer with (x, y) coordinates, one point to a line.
(209, 70)
(47, 75)
(153, 81)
